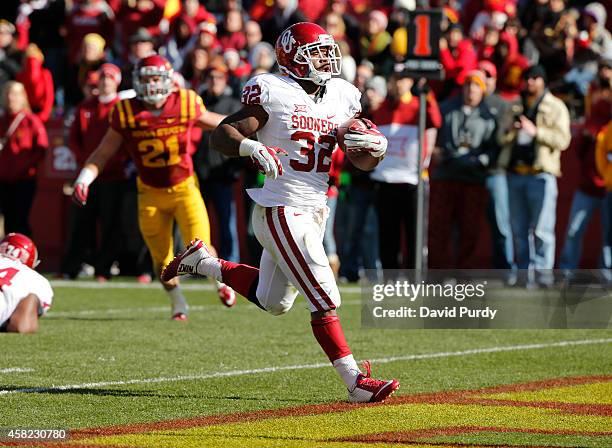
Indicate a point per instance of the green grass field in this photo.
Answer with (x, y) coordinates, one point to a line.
(108, 359)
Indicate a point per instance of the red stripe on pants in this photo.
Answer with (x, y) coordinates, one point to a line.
(301, 260)
(292, 267)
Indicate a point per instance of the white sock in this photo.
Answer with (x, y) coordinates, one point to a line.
(210, 267)
(179, 302)
(348, 370)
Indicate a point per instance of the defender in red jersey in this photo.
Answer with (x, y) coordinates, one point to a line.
(155, 128)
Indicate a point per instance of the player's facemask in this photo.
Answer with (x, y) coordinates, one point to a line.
(156, 91)
(325, 54)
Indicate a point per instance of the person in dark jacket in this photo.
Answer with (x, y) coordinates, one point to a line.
(466, 145)
(10, 56)
(285, 13)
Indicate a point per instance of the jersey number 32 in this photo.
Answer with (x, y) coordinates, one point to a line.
(325, 144)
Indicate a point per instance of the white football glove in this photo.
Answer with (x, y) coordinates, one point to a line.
(264, 157)
(376, 145)
(369, 140)
(81, 186)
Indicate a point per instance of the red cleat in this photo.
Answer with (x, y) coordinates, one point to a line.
(144, 279)
(226, 295)
(186, 262)
(370, 390)
(179, 317)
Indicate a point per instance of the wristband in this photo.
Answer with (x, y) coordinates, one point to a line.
(248, 147)
(86, 177)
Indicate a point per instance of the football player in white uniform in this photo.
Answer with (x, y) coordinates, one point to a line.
(295, 115)
(24, 293)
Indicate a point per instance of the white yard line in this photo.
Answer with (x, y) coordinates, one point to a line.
(186, 285)
(16, 370)
(161, 309)
(104, 311)
(233, 373)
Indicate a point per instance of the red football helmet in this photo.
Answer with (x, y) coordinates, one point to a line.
(21, 248)
(301, 44)
(153, 90)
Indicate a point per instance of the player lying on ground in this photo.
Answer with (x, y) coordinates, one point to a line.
(25, 295)
(155, 129)
(298, 112)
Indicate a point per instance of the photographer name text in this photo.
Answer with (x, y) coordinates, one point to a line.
(405, 312)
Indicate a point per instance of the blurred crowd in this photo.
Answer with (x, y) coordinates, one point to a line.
(523, 81)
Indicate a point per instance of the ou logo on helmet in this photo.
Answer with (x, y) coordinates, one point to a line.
(287, 41)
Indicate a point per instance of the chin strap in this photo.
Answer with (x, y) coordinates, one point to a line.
(320, 93)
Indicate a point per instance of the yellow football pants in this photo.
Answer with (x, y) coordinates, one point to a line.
(157, 210)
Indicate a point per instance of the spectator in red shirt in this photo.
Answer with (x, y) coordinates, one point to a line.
(23, 141)
(105, 196)
(135, 14)
(195, 66)
(207, 37)
(87, 16)
(458, 56)
(510, 66)
(486, 45)
(312, 9)
(192, 13)
(232, 34)
(38, 83)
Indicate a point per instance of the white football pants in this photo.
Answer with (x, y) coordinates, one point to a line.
(293, 255)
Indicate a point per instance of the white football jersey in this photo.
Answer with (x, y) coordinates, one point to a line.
(17, 281)
(305, 129)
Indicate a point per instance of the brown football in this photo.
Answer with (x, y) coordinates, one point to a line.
(362, 160)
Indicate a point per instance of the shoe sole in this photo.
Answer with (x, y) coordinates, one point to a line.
(228, 304)
(171, 270)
